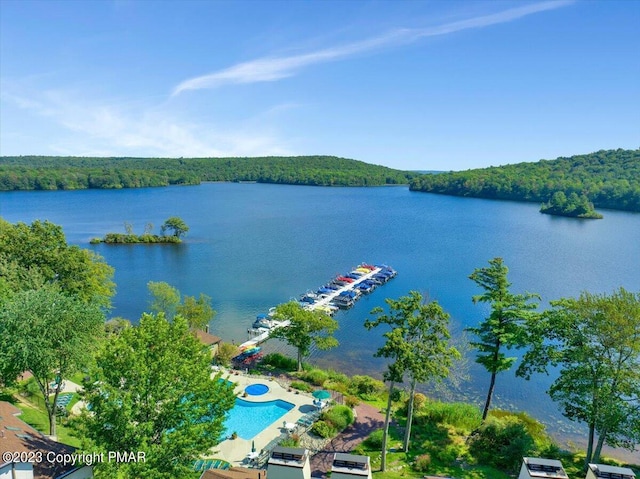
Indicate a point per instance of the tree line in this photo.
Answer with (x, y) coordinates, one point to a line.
(69, 173)
(607, 178)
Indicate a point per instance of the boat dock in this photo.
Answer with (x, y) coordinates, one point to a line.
(342, 292)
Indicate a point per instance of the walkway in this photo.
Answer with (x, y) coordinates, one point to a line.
(368, 419)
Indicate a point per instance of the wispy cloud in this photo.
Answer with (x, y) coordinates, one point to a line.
(115, 129)
(275, 68)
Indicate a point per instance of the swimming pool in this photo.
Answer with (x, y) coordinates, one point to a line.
(256, 389)
(248, 419)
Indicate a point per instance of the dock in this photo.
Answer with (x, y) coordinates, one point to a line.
(360, 275)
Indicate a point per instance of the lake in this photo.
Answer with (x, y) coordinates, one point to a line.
(253, 246)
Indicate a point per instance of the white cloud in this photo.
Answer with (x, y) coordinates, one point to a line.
(111, 129)
(276, 68)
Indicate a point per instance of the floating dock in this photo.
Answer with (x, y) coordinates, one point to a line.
(341, 292)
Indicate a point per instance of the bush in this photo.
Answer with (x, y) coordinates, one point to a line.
(323, 429)
(351, 401)
(225, 352)
(422, 463)
(366, 387)
(315, 376)
(461, 415)
(302, 386)
(374, 441)
(501, 443)
(280, 361)
(291, 441)
(340, 417)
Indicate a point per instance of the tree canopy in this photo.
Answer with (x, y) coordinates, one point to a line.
(176, 225)
(38, 253)
(49, 334)
(306, 328)
(594, 341)
(607, 178)
(152, 391)
(70, 173)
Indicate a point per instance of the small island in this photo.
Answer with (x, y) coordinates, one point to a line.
(174, 224)
(574, 206)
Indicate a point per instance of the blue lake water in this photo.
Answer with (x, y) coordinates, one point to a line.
(252, 246)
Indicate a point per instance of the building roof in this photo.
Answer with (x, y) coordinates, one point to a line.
(206, 338)
(288, 456)
(546, 468)
(350, 464)
(611, 472)
(234, 473)
(16, 435)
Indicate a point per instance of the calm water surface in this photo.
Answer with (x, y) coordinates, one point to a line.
(252, 246)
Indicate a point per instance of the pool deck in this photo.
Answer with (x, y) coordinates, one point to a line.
(235, 450)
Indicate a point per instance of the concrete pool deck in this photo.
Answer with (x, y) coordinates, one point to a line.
(235, 450)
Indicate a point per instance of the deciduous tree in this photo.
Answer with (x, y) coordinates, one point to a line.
(40, 250)
(423, 348)
(175, 224)
(305, 329)
(197, 312)
(164, 298)
(152, 391)
(49, 334)
(594, 340)
(504, 327)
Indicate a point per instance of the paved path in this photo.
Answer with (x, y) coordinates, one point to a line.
(368, 419)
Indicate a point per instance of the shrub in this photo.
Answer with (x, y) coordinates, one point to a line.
(419, 400)
(291, 441)
(461, 415)
(338, 377)
(302, 386)
(225, 352)
(448, 454)
(534, 427)
(323, 429)
(315, 376)
(374, 441)
(280, 361)
(339, 417)
(366, 387)
(351, 401)
(501, 443)
(422, 463)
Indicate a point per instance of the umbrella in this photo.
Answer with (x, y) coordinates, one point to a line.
(253, 446)
(321, 394)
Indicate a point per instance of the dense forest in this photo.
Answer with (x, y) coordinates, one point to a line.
(607, 178)
(68, 173)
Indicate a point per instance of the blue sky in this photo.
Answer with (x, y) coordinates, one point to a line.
(442, 85)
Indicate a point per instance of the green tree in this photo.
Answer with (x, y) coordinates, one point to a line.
(40, 251)
(49, 334)
(594, 340)
(305, 329)
(164, 298)
(154, 393)
(426, 354)
(175, 224)
(504, 327)
(197, 312)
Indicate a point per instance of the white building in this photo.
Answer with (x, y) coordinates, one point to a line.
(537, 468)
(289, 463)
(600, 471)
(350, 466)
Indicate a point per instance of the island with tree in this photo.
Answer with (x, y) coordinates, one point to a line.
(574, 206)
(171, 231)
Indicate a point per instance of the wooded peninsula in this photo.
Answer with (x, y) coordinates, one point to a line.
(72, 173)
(607, 178)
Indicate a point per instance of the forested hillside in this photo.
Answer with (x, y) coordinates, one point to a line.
(65, 173)
(608, 178)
